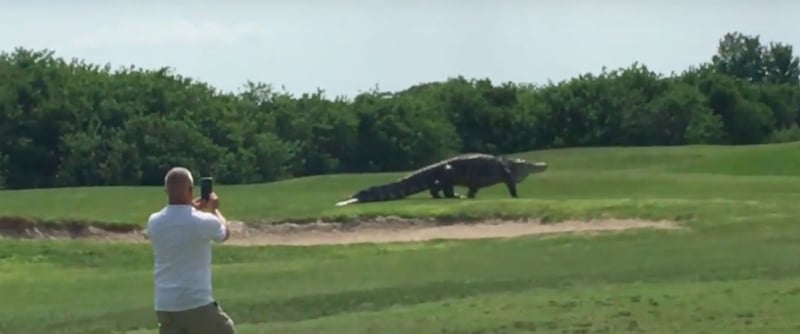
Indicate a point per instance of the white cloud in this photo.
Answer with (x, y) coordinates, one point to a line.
(139, 33)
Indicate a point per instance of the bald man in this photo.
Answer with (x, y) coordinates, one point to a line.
(181, 235)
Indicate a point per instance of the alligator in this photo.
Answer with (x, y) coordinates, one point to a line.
(471, 170)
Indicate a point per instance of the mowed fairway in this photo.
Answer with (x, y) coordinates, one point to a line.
(732, 269)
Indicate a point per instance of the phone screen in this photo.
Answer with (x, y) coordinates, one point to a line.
(205, 187)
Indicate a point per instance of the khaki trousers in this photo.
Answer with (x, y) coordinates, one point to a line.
(206, 319)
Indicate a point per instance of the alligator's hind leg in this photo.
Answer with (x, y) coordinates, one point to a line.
(446, 182)
(449, 191)
(434, 189)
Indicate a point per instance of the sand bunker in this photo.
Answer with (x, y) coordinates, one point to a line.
(380, 230)
(403, 231)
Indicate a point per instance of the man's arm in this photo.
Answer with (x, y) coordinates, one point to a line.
(214, 226)
(224, 224)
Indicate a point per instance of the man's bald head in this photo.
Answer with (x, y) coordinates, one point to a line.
(178, 185)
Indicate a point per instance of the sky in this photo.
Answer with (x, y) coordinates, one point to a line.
(349, 46)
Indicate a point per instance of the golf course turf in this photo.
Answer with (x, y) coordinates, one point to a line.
(730, 267)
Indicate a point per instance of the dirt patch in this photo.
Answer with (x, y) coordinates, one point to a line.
(378, 230)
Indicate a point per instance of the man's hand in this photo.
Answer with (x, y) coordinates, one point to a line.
(208, 206)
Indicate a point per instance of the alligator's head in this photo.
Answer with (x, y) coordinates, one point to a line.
(521, 168)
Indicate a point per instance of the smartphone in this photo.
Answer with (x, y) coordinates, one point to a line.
(206, 184)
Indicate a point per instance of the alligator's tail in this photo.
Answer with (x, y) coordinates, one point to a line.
(387, 192)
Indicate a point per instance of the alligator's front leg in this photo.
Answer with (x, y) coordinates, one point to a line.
(510, 184)
(472, 192)
(512, 189)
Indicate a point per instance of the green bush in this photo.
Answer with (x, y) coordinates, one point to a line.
(69, 123)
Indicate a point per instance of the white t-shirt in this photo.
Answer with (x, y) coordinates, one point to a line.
(181, 239)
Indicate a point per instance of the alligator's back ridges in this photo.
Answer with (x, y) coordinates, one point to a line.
(465, 156)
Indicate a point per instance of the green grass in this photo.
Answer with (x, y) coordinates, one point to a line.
(735, 269)
(593, 180)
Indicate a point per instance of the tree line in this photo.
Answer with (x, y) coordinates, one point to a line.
(73, 123)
